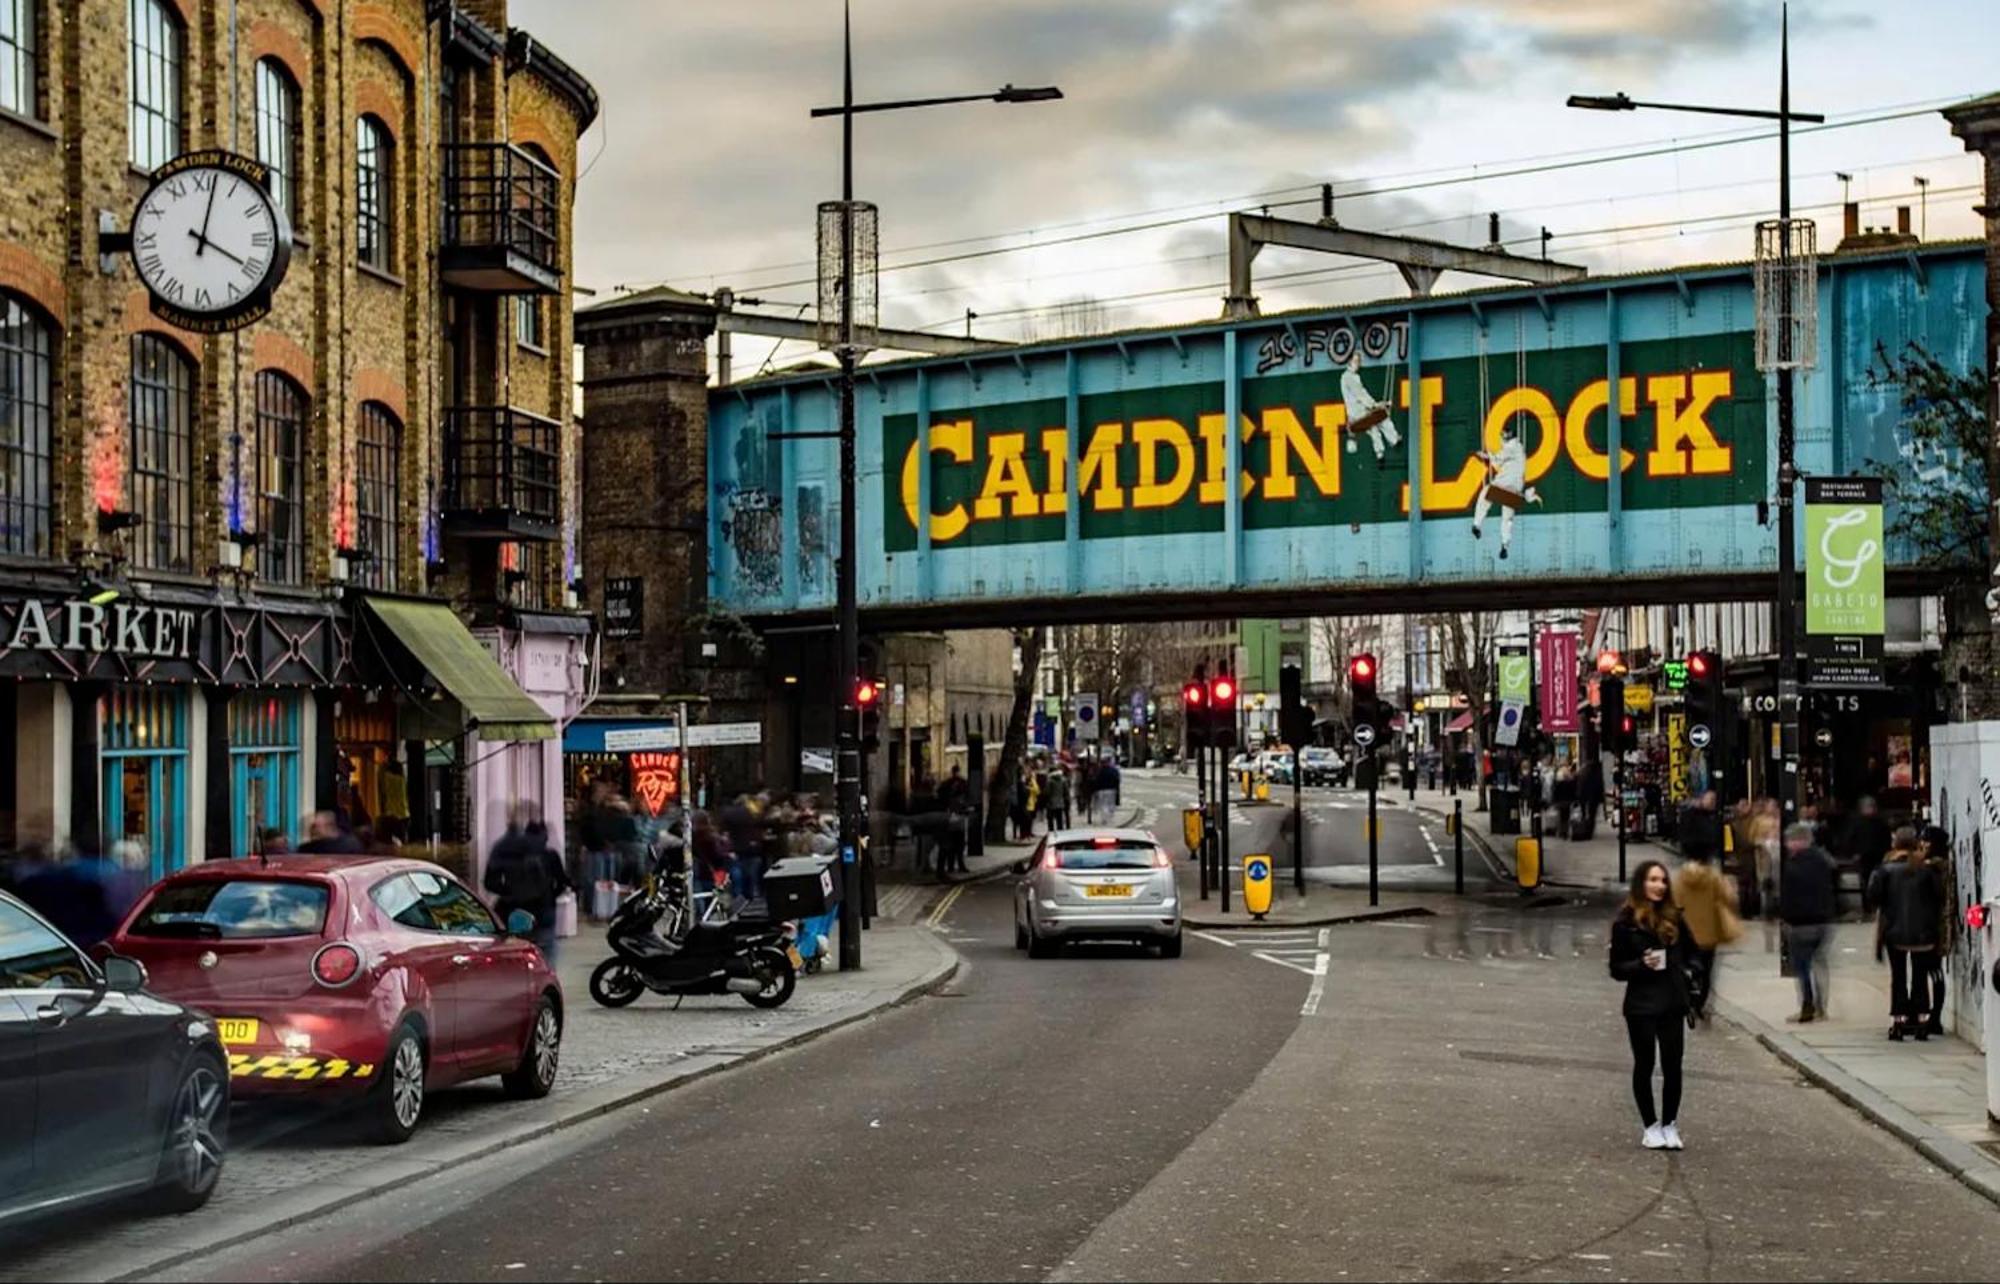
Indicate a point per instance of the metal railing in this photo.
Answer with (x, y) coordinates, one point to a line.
(501, 463)
(498, 196)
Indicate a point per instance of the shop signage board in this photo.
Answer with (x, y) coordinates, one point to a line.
(1677, 758)
(624, 608)
(160, 640)
(656, 779)
(1559, 707)
(1639, 697)
(1846, 564)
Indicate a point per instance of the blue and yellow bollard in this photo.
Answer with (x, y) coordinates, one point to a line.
(1257, 884)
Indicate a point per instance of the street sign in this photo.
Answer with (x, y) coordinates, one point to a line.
(1823, 737)
(1364, 734)
(699, 736)
(816, 761)
(1639, 697)
(1698, 735)
(1083, 710)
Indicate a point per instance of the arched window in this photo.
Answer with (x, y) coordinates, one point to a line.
(373, 193)
(281, 432)
(378, 493)
(162, 414)
(157, 52)
(20, 60)
(278, 132)
(27, 380)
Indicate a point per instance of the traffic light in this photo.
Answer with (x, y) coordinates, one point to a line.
(1222, 711)
(1614, 726)
(1705, 707)
(1194, 704)
(1365, 709)
(868, 713)
(1294, 714)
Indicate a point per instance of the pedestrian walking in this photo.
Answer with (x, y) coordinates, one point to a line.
(1649, 952)
(1056, 798)
(1808, 904)
(1708, 908)
(1909, 898)
(522, 874)
(1108, 782)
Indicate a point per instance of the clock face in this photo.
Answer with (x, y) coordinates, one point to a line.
(209, 243)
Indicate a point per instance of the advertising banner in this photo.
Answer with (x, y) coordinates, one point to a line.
(1516, 675)
(1559, 708)
(1845, 563)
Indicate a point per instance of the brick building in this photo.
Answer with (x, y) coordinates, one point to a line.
(229, 563)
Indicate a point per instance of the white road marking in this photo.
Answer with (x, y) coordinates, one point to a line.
(1436, 855)
(1293, 964)
(1321, 965)
(1211, 936)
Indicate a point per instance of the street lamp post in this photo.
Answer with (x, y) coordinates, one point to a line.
(848, 775)
(1787, 593)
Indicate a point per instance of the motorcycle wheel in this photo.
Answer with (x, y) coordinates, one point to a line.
(615, 984)
(783, 980)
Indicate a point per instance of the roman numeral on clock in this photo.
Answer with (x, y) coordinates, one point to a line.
(253, 268)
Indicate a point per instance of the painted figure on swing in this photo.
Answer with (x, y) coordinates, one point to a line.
(1364, 412)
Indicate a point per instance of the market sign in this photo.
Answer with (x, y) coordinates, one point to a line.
(1846, 562)
(120, 628)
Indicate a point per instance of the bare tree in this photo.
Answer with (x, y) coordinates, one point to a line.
(1466, 640)
(1014, 746)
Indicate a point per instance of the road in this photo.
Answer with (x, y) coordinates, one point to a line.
(1414, 851)
(1107, 1114)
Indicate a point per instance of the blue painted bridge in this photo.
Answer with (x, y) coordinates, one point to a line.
(1609, 440)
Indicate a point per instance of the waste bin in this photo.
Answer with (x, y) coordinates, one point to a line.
(1503, 810)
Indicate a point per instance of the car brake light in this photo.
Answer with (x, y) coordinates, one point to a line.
(1104, 840)
(336, 964)
(1161, 860)
(1051, 859)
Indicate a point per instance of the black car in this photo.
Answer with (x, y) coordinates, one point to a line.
(104, 1089)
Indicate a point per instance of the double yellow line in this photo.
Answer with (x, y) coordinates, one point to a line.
(944, 905)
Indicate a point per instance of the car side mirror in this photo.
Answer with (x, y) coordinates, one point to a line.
(123, 975)
(520, 923)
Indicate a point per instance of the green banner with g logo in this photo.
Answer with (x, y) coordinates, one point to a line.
(1845, 560)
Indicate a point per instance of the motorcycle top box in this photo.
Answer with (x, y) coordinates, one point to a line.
(801, 887)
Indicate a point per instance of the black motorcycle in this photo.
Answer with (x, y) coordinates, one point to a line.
(753, 958)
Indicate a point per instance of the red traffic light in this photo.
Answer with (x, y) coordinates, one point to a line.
(1361, 668)
(1192, 695)
(1698, 664)
(1975, 916)
(866, 692)
(1225, 690)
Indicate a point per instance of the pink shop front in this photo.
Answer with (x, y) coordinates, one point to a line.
(547, 655)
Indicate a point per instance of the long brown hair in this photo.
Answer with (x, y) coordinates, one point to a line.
(1663, 922)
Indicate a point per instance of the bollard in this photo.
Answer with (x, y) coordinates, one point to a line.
(1528, 855)
(1458, 844)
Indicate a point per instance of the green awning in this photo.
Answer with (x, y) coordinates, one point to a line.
(492, 702)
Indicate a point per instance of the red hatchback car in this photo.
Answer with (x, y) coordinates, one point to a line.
(371, 979)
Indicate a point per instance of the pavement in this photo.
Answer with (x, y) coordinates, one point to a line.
(1931, 1094)
(286, 1168)
(1390, 1111)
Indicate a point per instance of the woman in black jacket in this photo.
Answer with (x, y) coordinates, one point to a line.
(1649, 953)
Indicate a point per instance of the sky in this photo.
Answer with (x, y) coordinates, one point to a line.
(705, 168)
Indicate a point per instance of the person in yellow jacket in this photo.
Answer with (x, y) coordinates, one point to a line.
(1708, 907)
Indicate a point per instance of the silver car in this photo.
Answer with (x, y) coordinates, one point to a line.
(1097, 884)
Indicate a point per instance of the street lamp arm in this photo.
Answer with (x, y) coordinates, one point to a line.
(1619, 102)
(1008, 94)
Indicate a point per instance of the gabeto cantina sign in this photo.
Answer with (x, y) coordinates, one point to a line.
(119, 628)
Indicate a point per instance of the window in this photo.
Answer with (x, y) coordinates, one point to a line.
(281, 431)
(447, 907)
(378, 493)
(373, 192)
(263, 767)
(528, 322)
(278, 131)
(156, 83)
(143, 752)
(19, 87)
(235, 909)
(162, 413)
(33, 956)
(26, 413)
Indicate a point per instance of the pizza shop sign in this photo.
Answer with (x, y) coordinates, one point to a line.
(120, 628)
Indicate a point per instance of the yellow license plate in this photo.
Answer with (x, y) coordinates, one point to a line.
(792, 953)
(236, 1030)
(1109, 889)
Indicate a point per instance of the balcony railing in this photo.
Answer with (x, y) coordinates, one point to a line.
(502, 221)
(502, 471)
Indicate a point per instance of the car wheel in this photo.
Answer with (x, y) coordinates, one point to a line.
(1039, 946)
(396, 1106)
(615, 983)
(532, 1079)
(1020, 936)
(781, 979)
(1171, 947)
(197, 1139)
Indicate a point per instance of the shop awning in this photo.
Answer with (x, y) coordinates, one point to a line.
(1463, 722)
(492, 703)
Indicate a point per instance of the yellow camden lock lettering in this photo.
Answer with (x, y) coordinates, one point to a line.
(1171, 461)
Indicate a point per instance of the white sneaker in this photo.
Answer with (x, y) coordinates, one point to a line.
(1671, 1136)
(1655, 1138)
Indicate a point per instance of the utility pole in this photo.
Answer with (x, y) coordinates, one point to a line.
(847, 783)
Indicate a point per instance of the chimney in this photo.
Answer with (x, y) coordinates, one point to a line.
(1850, 219)
(1903, 220)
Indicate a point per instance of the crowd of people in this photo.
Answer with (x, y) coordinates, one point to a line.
(1043, 790)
